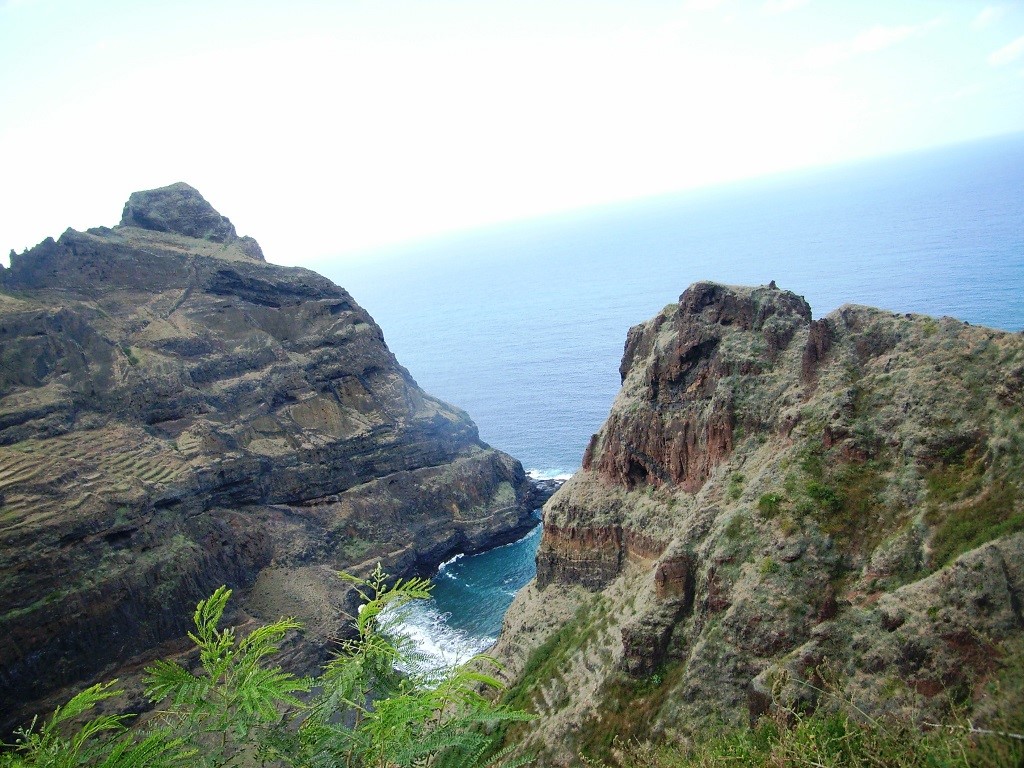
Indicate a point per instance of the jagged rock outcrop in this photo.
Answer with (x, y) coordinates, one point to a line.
(779, 506)
(176, 414)
(177, 208)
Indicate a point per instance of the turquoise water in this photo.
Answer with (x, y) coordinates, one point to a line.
(470, 597)
(523, 325)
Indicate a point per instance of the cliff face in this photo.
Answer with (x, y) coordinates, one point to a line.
(176, 414)
(778, 506)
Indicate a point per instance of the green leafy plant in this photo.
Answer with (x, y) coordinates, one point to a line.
(395, 719)
(70, 738)
(231, 703)
(237, 709)
(769, 504)
(735, 485)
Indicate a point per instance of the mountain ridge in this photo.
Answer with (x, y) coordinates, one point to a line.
(777, 506)
(175, 414)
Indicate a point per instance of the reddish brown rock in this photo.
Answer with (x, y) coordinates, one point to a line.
(683, 422)
(819, 342)
(775, 507)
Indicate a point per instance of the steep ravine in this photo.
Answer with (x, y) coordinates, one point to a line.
(781, 512)
(175, 414)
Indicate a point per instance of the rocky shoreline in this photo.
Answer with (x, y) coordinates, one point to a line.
(544, 488)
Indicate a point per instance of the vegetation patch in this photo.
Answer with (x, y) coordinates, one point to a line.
(968, 503)
(842, 496)
(957, 477)
(840, 735)
(735, 486)
(961, 528)
(834, 739)
(543, 664)
(736, 528)
(769, 504)
(628, 707)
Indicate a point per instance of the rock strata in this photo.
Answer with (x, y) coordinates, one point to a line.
(176, 414)
(779, 506)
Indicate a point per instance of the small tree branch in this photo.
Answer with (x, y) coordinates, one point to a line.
(982, 731)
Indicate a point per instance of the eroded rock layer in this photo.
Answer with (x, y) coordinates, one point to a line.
(782, 513)
(176, 414)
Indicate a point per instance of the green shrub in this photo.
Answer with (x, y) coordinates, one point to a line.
(966, 526)
(735, 486)
(769, 504)
(827, 497)
(834, 739)
(236, 709)
(734, 528)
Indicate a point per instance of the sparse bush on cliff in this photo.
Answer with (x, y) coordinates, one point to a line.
(238, 710)
(837, 735)
(837, 739)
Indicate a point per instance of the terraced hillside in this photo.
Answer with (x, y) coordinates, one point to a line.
(176, 414)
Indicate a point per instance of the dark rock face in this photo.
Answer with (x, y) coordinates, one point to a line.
(176, 414)
(544, 489)
(179, 209)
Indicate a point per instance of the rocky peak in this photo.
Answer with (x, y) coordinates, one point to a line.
(177, 414)
(675, 419)
(707, 311)
(773, 498)
(748, 307)
(179, 209)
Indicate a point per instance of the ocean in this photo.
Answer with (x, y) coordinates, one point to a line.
(523, 324)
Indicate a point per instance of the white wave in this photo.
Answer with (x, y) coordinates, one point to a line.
(549, 474)
(448, 562)
(437, 647)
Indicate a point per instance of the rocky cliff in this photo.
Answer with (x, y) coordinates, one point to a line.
(176, 414)
(782, 513)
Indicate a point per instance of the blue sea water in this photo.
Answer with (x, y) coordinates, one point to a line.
(523, 324)
(470, 597)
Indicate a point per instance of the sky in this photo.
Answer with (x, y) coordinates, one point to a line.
(324, 129)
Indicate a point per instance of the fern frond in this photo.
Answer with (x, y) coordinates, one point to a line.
(260, 691)
(415, 588)
(46, 746)
(217, 652)
(357, 584)
(166, 679)
(158, 749)
(263, 640)
(466, 678)
(101, 742)
(81, 703)
(209, 612)
(447, 748)
(94, 727)
(322, 746)
(485, 659)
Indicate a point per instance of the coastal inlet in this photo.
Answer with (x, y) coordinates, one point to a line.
(471, 595)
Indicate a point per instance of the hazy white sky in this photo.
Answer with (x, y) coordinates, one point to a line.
(321, 128)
